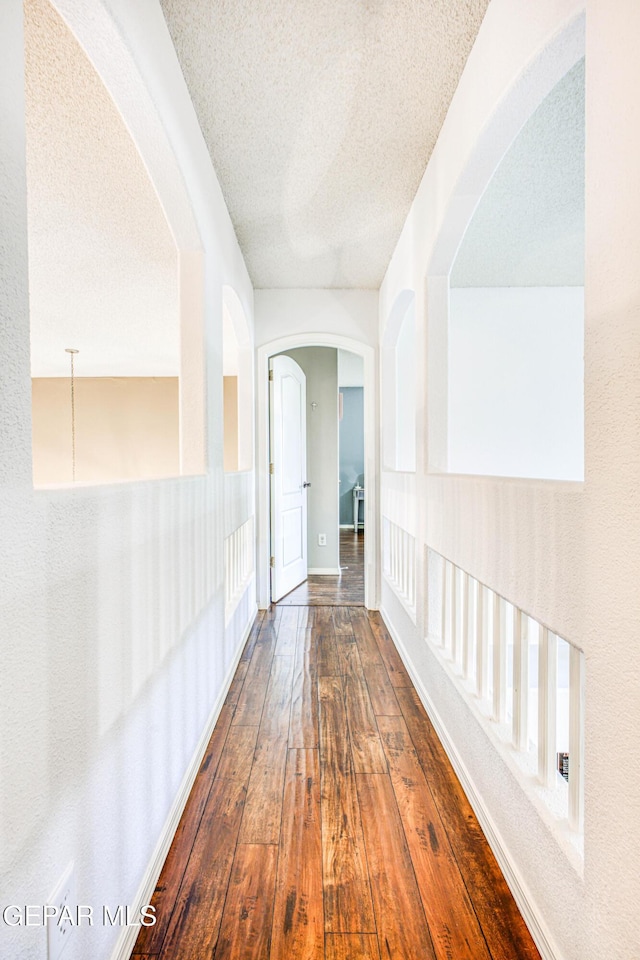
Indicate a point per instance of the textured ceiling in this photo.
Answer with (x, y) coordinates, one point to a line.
(102, 262)
(320, 118)
(528, 229)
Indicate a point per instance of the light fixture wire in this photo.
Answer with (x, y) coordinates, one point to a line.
(72, 352)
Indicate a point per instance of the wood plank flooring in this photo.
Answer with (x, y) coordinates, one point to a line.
(325, 822)
(347, 589)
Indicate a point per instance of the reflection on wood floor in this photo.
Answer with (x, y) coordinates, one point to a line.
(326, 822)
(347, 589)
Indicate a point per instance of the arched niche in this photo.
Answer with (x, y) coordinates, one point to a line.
(522, 363)
(118, 87)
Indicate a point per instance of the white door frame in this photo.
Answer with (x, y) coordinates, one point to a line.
(285, 577)
(372, 475)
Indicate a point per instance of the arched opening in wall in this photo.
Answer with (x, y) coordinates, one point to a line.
(332, 362)
(333, 472)
(109, 277)
(399, 385)
(237, 368)
(514, 355)
(510, 240)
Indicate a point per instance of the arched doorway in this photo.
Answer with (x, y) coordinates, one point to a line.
(371, 573)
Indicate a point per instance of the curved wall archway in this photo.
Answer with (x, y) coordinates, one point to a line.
(534, 83)
(528, 91)
(521, 537)
(371, 579)
(111, 58)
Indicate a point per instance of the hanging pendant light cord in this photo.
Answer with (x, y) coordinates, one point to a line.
(72, 352)
(73, 422)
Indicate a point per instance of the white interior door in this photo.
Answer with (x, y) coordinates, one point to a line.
(288, 467)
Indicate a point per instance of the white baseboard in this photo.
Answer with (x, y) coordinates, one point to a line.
(529, 910)
(129, 935)
(323, 572)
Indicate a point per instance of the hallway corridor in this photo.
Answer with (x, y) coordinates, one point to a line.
(326, 822)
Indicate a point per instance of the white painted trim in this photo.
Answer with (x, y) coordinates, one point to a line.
(534, 81)
(129, 935)
(368, 353)
(106, 46)
(239, 595)
(533, 918)
(324, 571)
(410, 611)
(576, 738)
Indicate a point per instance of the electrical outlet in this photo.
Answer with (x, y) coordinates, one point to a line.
(60, 924)
(322, 539)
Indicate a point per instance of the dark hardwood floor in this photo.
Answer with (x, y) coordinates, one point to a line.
(347, 589)
(326, 822)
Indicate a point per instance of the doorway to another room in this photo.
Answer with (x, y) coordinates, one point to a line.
(368, 509)
(344, 589)
(332, 474)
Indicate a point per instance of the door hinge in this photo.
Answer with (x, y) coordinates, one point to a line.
(270, 374)
(272, 468)
(272, 562)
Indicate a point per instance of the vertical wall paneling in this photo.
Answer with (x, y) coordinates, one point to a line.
(443, 602)
(399, 563)
(471, 614)
(464, 624)
(520, 680)
(499, 658)
(547, 683)
(482, 655)
(576, 739)
(454, 613)
(238, 565)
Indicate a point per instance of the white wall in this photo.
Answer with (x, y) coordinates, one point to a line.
(320, 366)
(612, 488)
(516, 372)
(113, 644)
(539, 543)
(398, 364)
(348, 313)
(405, 383)
(350, 369)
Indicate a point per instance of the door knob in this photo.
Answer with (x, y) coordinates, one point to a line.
(306, 484)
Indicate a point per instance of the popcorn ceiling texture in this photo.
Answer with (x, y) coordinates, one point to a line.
(320, 119)
(528, 229)
(102, 262)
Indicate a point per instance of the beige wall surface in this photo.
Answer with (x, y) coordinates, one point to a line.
(126, 429)
(230, 401)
